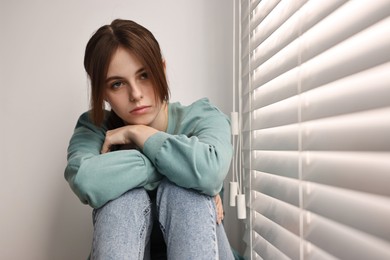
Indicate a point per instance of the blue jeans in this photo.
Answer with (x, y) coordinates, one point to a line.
(187, 219)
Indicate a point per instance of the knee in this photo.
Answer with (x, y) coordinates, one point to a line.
(133, 202)
(172, 193)
(184, 213)
(172, 197)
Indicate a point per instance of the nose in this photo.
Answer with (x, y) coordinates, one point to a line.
(135, 93)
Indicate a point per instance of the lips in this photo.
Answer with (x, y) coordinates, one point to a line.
(140, 110)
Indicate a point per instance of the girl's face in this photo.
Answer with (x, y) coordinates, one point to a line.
(130, 92)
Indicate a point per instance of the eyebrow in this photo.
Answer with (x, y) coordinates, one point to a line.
(139, 71)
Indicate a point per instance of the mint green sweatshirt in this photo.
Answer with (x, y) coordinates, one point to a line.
(194, 153)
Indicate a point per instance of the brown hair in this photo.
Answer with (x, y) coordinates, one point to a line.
(102, 46)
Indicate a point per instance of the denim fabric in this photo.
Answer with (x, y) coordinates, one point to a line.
(187, 219)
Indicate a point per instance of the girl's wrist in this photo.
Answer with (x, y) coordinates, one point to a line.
(140, 133)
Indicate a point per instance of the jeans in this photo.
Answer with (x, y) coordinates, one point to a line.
(187, 219)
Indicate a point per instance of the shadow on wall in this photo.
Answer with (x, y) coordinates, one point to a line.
(71, 228)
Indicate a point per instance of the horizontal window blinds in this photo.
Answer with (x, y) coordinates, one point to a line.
(315, 113)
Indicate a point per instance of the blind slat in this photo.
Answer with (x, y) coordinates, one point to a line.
(254, 4)
(329, 168)
(273, 91)
(311, 252)
(349, 95)
(343, 242)
(264, 250)
(282, 163)
(281, 113)
(365, 172)
(276, 138)
(321, 38)
(285, 86)
(337, 133)
(261, 10)
(285, 241)
(371, 129)
(283, 214)
(310, 14)
(274, 19)
(345, 59)
(340, 61)
(350, 208)
(278, 187)
(372, 83)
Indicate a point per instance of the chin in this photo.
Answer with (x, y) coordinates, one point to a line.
(138, 122)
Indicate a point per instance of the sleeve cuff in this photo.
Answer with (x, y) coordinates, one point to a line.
(153, 144)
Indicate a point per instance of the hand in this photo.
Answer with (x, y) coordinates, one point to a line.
(132, 135)
(118, 136)
(219, 208)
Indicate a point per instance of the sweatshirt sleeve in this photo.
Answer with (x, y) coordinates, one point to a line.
(98, 178)
(198, 159)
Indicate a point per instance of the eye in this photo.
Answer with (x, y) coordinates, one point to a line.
(144, 75)
(116, 84)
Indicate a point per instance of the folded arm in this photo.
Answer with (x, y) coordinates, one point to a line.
(98, 178)
(199, 159)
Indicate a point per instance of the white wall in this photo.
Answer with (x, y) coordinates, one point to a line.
(44, 90)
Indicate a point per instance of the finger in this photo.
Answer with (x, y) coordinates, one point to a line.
(219, 216)
(105, 147)
(217, 199)
(219, 219)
